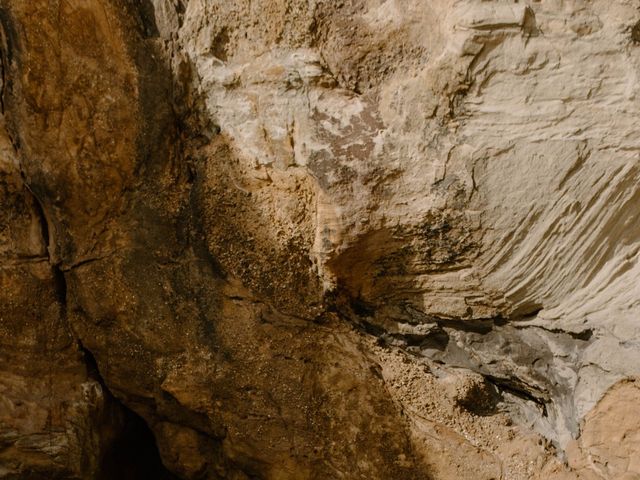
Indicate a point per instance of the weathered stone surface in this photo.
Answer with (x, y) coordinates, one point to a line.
(608, 446)
(319, 239)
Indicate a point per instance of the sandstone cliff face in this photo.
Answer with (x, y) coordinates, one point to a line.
(286, 239)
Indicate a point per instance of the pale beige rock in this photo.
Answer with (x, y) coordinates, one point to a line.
(609, 445)
(471, 159)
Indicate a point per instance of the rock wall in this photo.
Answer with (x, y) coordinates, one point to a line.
(287, 239)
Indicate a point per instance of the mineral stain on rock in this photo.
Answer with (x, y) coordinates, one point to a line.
(281, 239)
(635, 33)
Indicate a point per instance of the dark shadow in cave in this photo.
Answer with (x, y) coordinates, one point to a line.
(133, 454)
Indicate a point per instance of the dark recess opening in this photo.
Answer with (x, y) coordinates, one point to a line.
(133, 454)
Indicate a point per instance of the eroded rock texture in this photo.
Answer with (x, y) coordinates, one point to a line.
(308, 239)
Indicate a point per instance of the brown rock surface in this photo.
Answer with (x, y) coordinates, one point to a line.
(286, 239)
